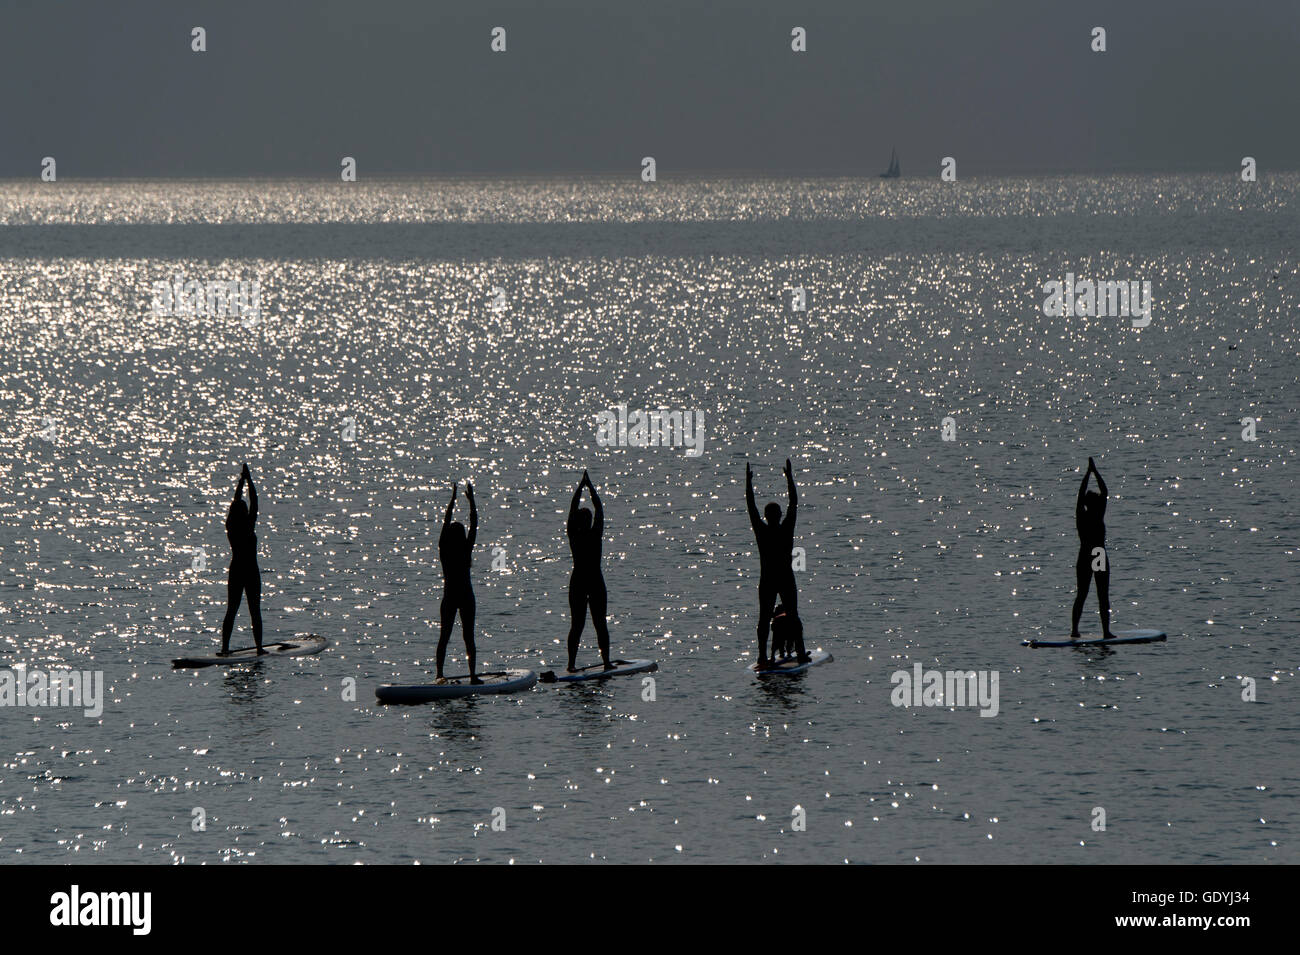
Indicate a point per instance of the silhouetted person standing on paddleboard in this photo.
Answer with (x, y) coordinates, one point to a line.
(587, 584)
(454, 551)
(245, 578)
(776, 576)
(1089, 518)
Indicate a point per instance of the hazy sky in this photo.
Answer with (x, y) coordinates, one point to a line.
(411, 86)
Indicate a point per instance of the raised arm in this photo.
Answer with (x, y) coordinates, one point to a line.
(473, 515)
(252, 498)
(754, 520)
(794, 497)
(598, 525)
(1101, 485)
(575, 505)
(451, 506)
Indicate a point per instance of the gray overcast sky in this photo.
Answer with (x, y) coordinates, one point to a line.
(410, 86)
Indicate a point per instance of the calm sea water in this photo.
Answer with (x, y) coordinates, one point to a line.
(124, 432)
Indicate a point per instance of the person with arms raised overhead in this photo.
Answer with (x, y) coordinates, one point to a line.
(245, 577)
(587, 584)
(775, 538)
(1089, 520)
(455, 549)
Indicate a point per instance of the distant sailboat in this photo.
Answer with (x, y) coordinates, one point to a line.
(892, 172)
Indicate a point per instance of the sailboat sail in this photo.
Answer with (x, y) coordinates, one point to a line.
(893, 171)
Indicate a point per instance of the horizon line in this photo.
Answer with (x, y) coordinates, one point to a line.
(633, 175)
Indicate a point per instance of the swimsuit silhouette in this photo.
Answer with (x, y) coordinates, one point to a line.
(586, 585)
(244, 574)
(776, 576)
(454, 551)
(1089, 518)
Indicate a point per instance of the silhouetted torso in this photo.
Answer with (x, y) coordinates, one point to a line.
(239, 531)
(1092, 523)
(773, 533)
(455, 553)
(584, 543)
(775, 545)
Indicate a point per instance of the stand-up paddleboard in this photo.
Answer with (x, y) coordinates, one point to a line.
(300, 646)
(499, 681)
(789, 665)
(1121, 636)
(597, 671)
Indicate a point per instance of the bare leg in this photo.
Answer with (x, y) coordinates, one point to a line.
(578, 613)
(254, 589)
(766, 603)
(467, 608)
(448, 611)
(1103, 599)
(234, 590)
(1082, 576)
(598, 601)
(790, 598)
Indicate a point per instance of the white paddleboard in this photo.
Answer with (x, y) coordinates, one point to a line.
(301, 645)
(1121, 636)
(789, 665)
(597, 671)
(499, 681)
